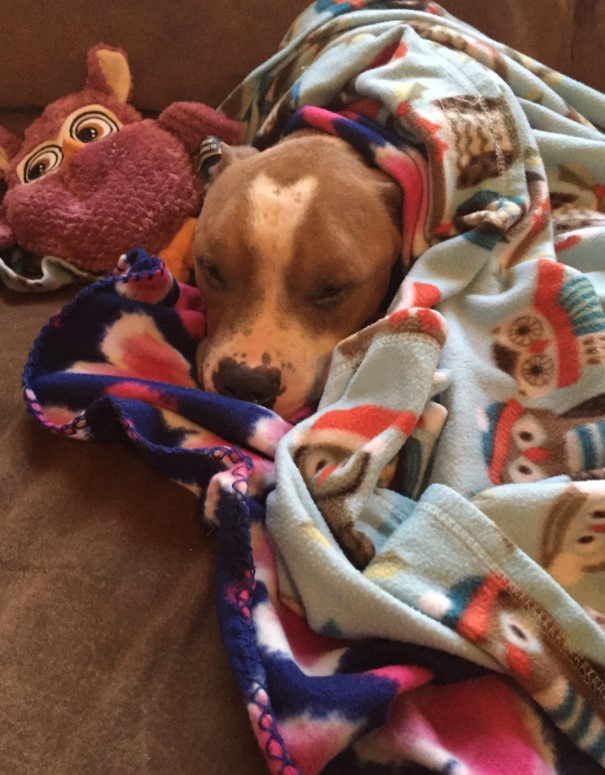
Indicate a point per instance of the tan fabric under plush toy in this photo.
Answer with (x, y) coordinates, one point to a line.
(93, 178)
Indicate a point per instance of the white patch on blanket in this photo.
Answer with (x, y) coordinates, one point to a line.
(435, 603)
(270, 634)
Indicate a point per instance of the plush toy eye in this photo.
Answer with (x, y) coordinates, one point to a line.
(42, 162)
(91, 126)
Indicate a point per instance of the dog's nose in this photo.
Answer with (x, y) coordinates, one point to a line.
(261, 385)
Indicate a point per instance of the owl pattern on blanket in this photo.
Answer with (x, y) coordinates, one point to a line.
(548, 344)
(469, 139)
(336, 457)
(575, 184)
(458, 40)
(526, 445)
(482, 135)
(347, 451)
(578, 204)
(493, 613)
(573, 536)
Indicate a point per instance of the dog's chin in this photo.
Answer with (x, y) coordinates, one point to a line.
(291, 408)
(293, 404)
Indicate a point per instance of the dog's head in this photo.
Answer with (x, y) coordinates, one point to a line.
(294, 251)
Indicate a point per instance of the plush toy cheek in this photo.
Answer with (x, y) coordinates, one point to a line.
(133, 188)
(7, 237)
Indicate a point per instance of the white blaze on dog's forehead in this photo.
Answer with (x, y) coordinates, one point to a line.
(276, 211)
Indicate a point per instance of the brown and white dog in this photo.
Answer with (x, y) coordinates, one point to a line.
(294, 249)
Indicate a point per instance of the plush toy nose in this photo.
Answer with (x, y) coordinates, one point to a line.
(69, 147)
(261, 384)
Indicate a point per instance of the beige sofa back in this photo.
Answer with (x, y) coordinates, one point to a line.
(199, 50)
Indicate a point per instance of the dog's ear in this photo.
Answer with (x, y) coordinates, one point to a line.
(229, 154)
(392, 195)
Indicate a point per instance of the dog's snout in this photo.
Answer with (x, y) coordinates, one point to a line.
(261, 384)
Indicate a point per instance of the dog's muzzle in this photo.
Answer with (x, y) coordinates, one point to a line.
(260, 385)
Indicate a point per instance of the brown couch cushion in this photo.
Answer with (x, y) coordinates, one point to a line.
(567, 35)
(200, 51)
(109, 645)
(588, 43)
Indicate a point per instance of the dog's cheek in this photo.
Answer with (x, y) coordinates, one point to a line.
(211, 348)
(201, 365)
(303, 384)
(321, 376)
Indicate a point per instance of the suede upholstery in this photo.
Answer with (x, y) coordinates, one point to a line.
(110, 654)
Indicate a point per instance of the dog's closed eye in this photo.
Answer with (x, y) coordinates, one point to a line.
(330, 294)
(211, 274)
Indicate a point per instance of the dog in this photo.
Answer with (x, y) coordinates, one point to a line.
(295, 249)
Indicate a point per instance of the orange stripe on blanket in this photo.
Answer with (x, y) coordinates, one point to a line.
(367, 420)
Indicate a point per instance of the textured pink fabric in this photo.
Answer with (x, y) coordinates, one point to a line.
(133, 188)
(190, 121)
(95, 76)
(45, 128)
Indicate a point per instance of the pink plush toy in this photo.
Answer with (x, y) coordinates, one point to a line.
(92, 179)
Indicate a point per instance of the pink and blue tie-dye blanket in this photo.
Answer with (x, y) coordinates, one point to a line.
(453, 623)
(117, 363)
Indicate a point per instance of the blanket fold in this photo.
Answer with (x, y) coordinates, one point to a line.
(410, 579)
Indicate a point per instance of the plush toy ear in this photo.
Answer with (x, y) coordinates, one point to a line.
(108, 71)
(9, 145)
(192, 121)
